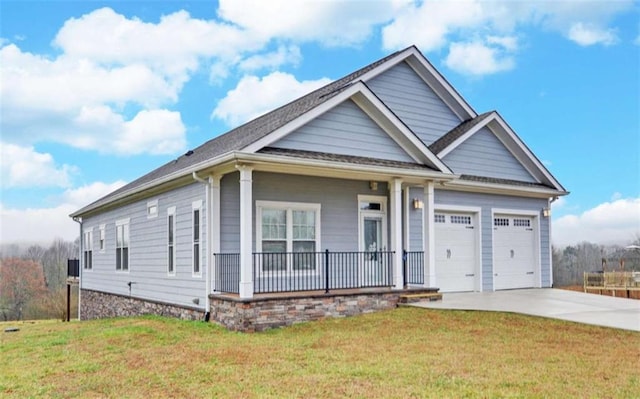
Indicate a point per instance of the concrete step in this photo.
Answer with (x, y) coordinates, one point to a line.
(422, 297)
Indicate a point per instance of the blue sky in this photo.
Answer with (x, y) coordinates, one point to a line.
(95, 94)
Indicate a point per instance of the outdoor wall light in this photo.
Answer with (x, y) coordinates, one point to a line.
(417, 204)
(546, 212)
(373, 185)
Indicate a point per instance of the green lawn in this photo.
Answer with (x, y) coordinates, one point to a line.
(402, 353)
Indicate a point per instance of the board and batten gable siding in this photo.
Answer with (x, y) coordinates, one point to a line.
(488, 202)
(483, 154)
(345, 130)
(148, 252)
(338, 200)
(414, 102)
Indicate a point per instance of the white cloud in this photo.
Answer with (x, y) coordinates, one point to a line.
(45, 224)
(284, 55)
(242, 104)
(615, 222)
(431, 25)
(332, 23)
(76, 102)
(25, 167)
(173, 46)
(476, 58)
(586, 35)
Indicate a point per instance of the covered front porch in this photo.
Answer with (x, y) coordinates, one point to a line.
(291, 223)
(278, 272)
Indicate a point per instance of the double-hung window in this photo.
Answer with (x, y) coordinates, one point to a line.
(171, 240)
(197, 236)
(289, 236)
(122, 245)
(101, 242)
(88, 249)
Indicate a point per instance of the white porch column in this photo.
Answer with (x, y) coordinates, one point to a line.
(428, 237)
(246, 231)
(395, 194)
(214, 231)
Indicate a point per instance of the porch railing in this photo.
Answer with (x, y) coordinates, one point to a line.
(306, 271)
(413, 267)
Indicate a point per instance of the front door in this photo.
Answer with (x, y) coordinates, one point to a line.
(375, 261)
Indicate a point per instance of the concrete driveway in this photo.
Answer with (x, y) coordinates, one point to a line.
(574, 306)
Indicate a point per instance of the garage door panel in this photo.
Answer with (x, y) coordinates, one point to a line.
(456, 251)
(514, 252)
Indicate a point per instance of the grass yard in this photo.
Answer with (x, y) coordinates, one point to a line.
(403, 353)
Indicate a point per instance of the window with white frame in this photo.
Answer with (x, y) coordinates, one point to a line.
(197, 233)
(101, 241)
(152, 209)
(171, 240)
(288, 234)
(122, 245)
(88, 249)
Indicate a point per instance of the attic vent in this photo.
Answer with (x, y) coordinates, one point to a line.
(188, 153)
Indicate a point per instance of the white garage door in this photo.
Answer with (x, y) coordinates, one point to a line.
(455, 239)
(514, 252)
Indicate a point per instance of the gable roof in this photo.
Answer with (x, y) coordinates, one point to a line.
(241, 136)
(499, 127)
(252, 136)
(454, 134)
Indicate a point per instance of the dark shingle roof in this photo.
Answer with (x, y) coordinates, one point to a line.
(244, 135)
(323, 156)
(455, 133)
(494, 180)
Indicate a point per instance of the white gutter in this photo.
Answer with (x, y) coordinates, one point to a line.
(207, 183)
(239, 156)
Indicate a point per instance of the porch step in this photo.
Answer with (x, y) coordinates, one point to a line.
(427, 296)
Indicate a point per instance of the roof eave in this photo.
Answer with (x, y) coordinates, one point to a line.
(503, 188)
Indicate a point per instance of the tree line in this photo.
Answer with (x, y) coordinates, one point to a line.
(569, 263)
(33, 280)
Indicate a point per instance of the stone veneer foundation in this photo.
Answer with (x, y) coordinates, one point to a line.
(100, 305)
(251, 315)
(261, 313)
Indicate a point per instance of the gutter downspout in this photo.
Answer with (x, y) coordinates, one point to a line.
(207, 183)
(550, 201)
(81, 263)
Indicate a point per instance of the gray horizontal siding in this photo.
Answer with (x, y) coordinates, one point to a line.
(338, 200)
(415, 220)
(148, 250)
(414, 102)
(345, 130)
(483, 154)
(487, 202)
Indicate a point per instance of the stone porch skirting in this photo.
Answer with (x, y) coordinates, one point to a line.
(250, 315)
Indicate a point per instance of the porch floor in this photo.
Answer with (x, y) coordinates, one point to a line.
(321, 293)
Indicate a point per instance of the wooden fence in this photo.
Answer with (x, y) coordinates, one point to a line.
(612, 281)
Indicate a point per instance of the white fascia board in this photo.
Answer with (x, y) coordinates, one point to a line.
(153, 183)
(395, 128)
(530, 160)
(375, 109)
(430, 76)
(371, 170)
(496, 188)
(446, 151)
(301, 120)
